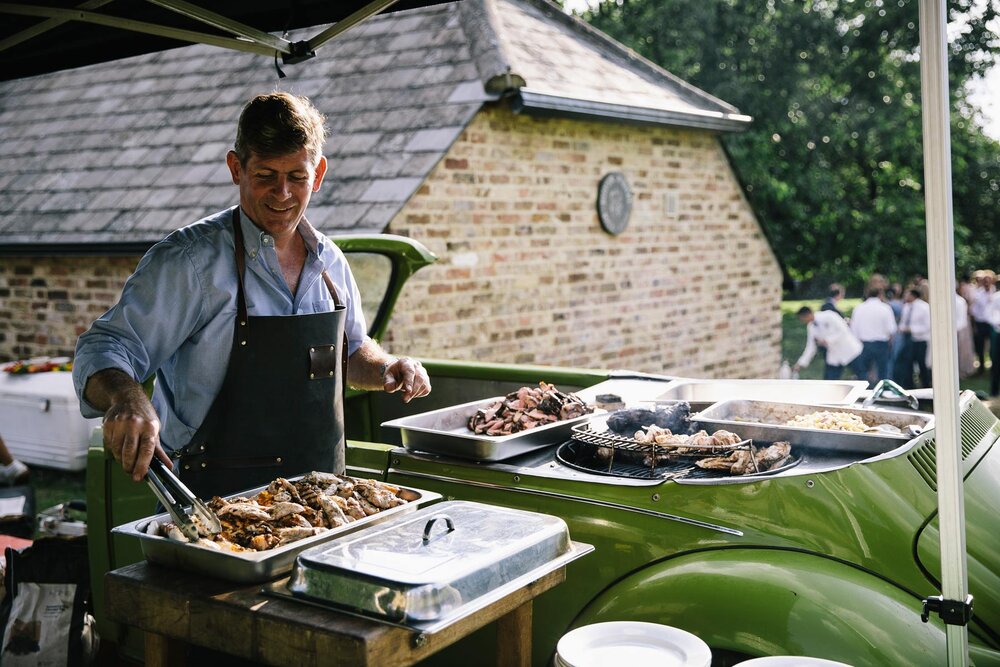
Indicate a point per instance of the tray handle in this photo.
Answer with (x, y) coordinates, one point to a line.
(449, 524)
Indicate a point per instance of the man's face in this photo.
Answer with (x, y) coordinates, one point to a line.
(806, 318)
(275, 192)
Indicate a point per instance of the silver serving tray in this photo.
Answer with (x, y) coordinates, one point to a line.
(429, 567)
(764, 421)
(446, 431)
(702, 394)
(254, 566)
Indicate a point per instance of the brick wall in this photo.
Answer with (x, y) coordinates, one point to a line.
(527, 275)
(46, 302)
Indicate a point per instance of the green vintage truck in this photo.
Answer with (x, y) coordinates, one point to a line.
(830, 557)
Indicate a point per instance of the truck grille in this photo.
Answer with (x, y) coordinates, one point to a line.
(978, 425)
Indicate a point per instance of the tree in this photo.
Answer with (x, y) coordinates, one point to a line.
(832, 163)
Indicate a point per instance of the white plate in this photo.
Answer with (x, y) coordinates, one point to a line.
(791, 661)
(632, 643)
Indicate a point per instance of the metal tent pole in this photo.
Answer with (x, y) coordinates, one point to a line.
(941, 274)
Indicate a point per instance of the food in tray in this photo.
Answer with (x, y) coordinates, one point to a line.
(747, 461)
(39, 365)
(676, 417)
(527, 408)
(833, 421)
(287, 511)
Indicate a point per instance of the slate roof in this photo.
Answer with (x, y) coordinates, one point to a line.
(128, 151)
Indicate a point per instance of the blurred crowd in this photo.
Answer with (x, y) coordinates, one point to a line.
(888, 334)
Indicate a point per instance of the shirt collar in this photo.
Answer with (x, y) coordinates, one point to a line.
(254, 238)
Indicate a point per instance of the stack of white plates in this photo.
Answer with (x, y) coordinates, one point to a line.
(791, 661)
(631, 644)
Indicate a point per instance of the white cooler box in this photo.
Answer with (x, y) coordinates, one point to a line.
(40, 420)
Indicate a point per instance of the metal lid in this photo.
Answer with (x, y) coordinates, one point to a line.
(424, 565)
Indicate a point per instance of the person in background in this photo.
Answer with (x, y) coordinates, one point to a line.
(915, 334)
(894, 297)
(963, 329)
(833, 298)
(12, 471)
(828, 328)
(993, 317)
(874, 324)
(246, 318)
(982, 293)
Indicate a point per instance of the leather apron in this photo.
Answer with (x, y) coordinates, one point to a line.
(280, 411)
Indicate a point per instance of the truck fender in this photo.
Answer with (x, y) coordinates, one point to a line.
(761, 602)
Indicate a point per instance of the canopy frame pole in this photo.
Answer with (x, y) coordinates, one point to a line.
(944, 355)
(45, 26)
(135, 26)
(349, 22)
(229, 25)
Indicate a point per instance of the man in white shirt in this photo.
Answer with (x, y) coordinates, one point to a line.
(829, 329)
(874, 324)
(915, 334)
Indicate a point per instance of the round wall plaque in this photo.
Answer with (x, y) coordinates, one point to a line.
(614, 202)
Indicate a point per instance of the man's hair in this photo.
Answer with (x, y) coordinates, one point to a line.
(836, 289)
(803, 311)
(890, 292)
(276, 124)
(874, 293)
(915, 293)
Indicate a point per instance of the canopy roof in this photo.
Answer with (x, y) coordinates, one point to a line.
(61, 34)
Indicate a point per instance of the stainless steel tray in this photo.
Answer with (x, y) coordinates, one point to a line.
(764, 421)
(446, 431)
(703, 393)
(429, 566)
(254, 566)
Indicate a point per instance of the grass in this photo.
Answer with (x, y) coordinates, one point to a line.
(58, 486)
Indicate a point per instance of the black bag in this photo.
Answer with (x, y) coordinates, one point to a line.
(19, 519)
(44, 614)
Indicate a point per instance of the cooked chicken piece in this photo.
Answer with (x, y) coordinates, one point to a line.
(378, 496)
(280, 510)
(248, 510)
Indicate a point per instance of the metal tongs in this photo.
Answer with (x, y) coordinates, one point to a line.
(889, 386)
(181, 503)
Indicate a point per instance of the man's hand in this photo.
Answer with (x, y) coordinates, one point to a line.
(131, 427)
(408, 376)
(796, 368)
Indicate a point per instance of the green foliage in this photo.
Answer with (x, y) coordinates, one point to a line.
(833, 160)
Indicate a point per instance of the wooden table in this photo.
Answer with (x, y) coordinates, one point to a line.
(175, 608)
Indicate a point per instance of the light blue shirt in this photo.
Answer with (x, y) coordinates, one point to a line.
(177, 312)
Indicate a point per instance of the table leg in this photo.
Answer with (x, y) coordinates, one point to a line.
(161, 651)
(514, 637)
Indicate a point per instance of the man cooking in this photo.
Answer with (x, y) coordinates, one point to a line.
(243, 317)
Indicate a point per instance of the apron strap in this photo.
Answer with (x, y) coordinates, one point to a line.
(241, 266)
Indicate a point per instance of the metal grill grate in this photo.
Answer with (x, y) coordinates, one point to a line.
(580, 456)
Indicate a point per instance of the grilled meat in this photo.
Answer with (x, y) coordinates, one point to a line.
(674, 417)
(527, 408)
(287, 511)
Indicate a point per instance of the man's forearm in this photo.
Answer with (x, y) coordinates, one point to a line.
(109, 386)
(366, 367)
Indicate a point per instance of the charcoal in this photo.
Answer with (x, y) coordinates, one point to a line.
(674, 416)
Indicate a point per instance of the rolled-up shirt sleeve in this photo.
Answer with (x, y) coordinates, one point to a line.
(160, 306)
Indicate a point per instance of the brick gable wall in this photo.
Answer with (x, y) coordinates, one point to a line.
(46, 302)
(526, 274)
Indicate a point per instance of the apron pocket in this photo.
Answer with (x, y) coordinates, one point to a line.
(323, 361)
